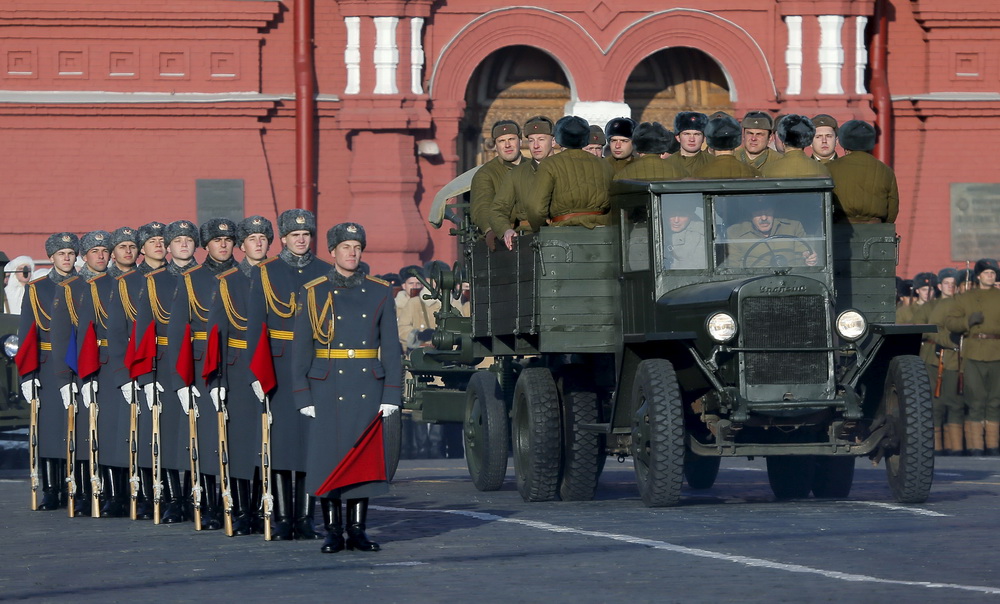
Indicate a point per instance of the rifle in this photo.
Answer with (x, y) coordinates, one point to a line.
(961, 365)
(96, 486)
(940, 372)
(267, 500)
(157, 462)
(133, 453)
(33, 446)
(224, 479)
(195, 462)
(71, 455)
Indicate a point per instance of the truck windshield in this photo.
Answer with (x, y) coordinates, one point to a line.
(683, 217)
(766, 231)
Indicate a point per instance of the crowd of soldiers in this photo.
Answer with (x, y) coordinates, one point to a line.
(299, 358)
(963, 355)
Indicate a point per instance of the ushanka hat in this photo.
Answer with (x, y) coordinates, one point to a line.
(123, 234)
(62, 241)
(796, 131)
(345, 231)
(723, 133)
(620, 126)
(296, 219)
(651, 138)
(95, 239)
(572, 132)
(856, 135)
(253, 225)
(983, 264)
(217, 227)
(148, 231)
(690, 120)
(181, 228)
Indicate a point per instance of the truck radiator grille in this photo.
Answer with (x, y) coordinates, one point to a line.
(785, 322)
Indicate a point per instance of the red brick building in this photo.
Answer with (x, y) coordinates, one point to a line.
(133, 110)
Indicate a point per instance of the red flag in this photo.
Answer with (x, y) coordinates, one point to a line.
(185, 360)
(130, 349)
(89, 359)
(262, 364)
(211, 353)
(145, 353)
(27, 353)
(365, 462)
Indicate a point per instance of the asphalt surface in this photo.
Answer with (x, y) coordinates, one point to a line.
(444, 541)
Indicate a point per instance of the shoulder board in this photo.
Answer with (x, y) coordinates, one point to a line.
(315, 282)
(70, 280)
(96, 277)
(377, 280)
(227, 273)
(156, 272)
(267, 261)
(192, 269)
(34, 281)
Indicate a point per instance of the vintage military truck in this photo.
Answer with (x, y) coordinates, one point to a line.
(14, 410)
(679, 335)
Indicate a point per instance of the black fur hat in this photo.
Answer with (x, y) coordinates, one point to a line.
(345, 231)
(392, 278)
(597, 136)
(95, 239)
(572, 132)
(925, 280)
(723, 133)
(620, 126)
(123, 234)
(217, 227)
(651, 138)
(856, 135)
(179, 228)
(150, 230)
(252, 225)
(690, 120)
(407, 271)
(947, 273)
(983, 264)
(296, 219)
(796, 131)
(62, 241)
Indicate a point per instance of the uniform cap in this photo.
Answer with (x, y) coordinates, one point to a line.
(296, 219)
(503, 127)
(758, 120)
(345, 231)
(826, 120)
(538, 125)
(597, 136)
(62, 241)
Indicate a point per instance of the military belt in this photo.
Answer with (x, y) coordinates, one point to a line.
(280, 334)
(161, 340)
(563, 217)
(102, 343)
(987, 336)
(234, 343)
(350, 353)
(45, 345)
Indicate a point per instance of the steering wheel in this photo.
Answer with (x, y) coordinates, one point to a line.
(772, 257)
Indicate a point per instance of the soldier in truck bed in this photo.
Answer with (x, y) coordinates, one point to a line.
(864, 189)
(485, 183)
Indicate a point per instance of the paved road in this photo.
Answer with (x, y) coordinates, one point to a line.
(444, 541)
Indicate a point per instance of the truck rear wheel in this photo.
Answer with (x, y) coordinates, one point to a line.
(486, 432)
(700, 471)
(834, 476)
(907, 404)
(536, 435)
(791, 476)
(658, 433)
(582, 449)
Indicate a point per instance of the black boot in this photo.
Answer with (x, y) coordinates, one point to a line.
(242, 507)
(173, 494)
(82, 477)
(114, 493)
(210, 516)
(50, 480)
(281, 490)
(332, 521)
(305, 506)
(144, 506)
(256, 509)
(357, 515)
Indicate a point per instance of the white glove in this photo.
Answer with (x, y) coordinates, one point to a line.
(388, 410)
(127, 393)
(67, 393)
(89, 394)
(187, 396)
(26, 389)
(217, 394)
(309, 411)
(258, 390)
(148, 390)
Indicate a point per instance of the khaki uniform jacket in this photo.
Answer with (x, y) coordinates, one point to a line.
(986, 301)
(620, 164)
(686, 249)
(650, 168)
(760, 254)
(415, 316)
(904, 314)
(921, 315)
(825, 161)
(945, 339)
(863, 188)
(794, 164)
(572, 181)
(689, 164)
(484, 187)
(726, 166)
(507, 207)
(766, 156)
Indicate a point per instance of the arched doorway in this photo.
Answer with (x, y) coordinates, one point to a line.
(673, 80)
(513, 83)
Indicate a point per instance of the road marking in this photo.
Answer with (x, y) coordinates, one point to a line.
(901, 508)
(704, 553)
(414, 563)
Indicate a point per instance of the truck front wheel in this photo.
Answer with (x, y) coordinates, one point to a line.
(658, 433)
(486, 432)
(907, 404)
(582, 449)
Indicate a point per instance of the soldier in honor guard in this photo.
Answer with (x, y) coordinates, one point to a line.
(273, 290)
(229, 312)
(723, 136)
(486, 181)
(124, 251)
(864, 189)
(68, 332)
(621, 150)
(196, 293)
(36, 314)
(797, 133)
(976, 315)
(347, 368)
(153, 307)
(689, 127)
(757, 129)
(651, 141)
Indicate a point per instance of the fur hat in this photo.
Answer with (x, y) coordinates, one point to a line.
(947, 273)
(296, 220)
(345, 231)
(501, 128)
(572, 132)
(252, 225)
(407, 271)
(718, 114)
(538, 125)
(690, 120)
(723, 133)
(217, 227)
(856, 135)
(983, 264)
(620, 126)
(180, 228)
(597, 136)
(796, 131)
(826, 120)
(392, 278)
(95, 239)
(758, 120)
(925, 280)
(651, 138)
(123, 234)
(62, 241)
(673, 145)
(150, 230)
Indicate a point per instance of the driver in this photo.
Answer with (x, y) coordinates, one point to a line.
(768, 241)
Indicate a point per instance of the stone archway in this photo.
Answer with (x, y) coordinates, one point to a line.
(673, 80)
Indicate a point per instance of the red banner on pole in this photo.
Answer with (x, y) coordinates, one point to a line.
(89, 360)
(27, 353)
(365, 462)
(185, 360)
(262, 364)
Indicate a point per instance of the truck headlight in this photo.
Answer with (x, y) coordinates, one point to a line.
(851, 325)
(721, 327)
(10, 345)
